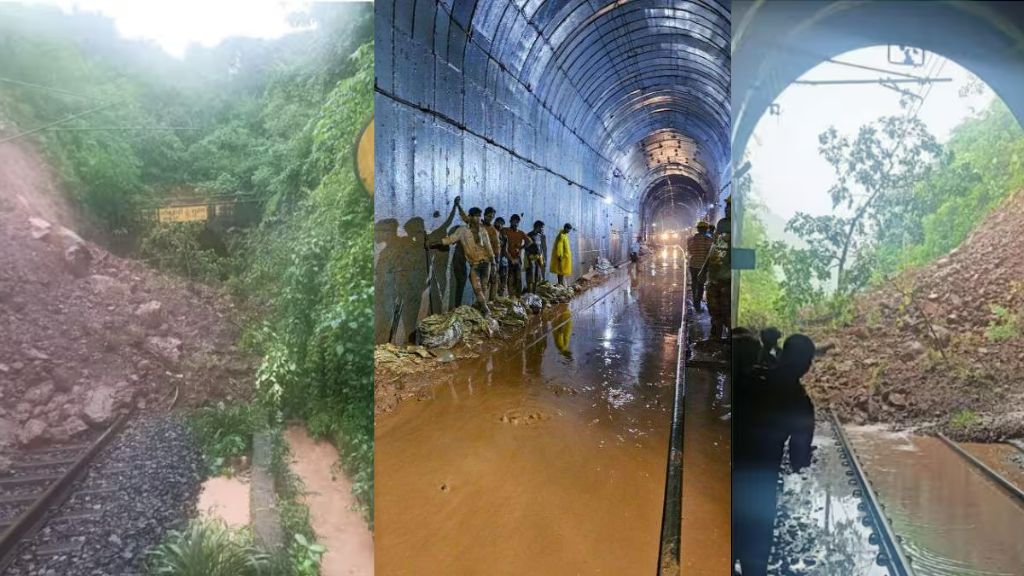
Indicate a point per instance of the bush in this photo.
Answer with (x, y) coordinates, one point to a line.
(178, 248)
(224, 434)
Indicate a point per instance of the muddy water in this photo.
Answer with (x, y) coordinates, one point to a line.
(952, 519)
(1004, 459)
(548, 458)
(226, 499)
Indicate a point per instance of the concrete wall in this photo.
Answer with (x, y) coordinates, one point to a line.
(453, 120)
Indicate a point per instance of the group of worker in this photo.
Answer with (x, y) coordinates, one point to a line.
(771, 410)
(711, 270)
(498, 255)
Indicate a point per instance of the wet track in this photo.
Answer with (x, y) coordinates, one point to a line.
(549, 457)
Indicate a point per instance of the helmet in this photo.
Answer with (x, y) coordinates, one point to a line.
(702, 225)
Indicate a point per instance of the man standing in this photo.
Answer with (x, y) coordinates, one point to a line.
(492, 236)
(535, 252)
(718, 271)
(500, 287)
(517, 240)
(561, 255)
(768, 412)
(477, 247)
(698, 247)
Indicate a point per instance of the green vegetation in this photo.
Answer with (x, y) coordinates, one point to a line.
(905, 200)
(964, 419)
(1003, 327)
(302, 550)
(265, 124)
(224, 434)
(210, 548)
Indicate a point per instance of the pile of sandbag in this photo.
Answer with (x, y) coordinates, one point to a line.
(554, 293)
(463, 324)
(508, 312)
(603, 266)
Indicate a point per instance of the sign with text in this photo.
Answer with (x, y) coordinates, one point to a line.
(743, 259)
(195, 213)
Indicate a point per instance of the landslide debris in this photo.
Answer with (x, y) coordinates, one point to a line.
(85, 334)
(941, 345)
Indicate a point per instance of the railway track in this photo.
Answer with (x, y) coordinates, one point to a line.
(891, 554)
(41, 480)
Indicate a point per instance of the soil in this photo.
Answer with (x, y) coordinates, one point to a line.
(85, 334)
(328, 494)
(930, 348)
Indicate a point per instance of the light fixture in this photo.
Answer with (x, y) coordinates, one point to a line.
(608, 199)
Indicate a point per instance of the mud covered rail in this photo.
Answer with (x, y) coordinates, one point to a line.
(891, 554)
(58, 486)
(1007, 486)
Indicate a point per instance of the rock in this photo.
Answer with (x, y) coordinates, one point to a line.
(150, 314)
(40, 228)
(99, 406)
(75, 426)
(39, 394)
(912, 351)
(36, 354)
(108, 286)
(8, 432)
(897, 399)
(165, 347)
(77, 259)
(32, 432)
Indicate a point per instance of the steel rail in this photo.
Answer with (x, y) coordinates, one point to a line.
(991, 474)
(896, 559)
(29, 520)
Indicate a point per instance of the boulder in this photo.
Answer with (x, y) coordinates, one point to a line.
(40, 228)
(165, 347)
(99, 406)
(32, 432)
(107, 286)
(77, 259)
(39, 394)
(150, 314)
(8, 432)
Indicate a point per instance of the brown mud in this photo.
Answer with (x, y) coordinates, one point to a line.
(546, 456)
(85, 334)
(931, 348)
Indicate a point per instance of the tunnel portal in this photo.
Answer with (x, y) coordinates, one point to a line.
(598, 114)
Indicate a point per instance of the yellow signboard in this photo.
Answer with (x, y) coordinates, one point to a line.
(364, 158)
(196, 213)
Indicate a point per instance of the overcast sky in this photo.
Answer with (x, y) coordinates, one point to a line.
(174, 24)
(788, 172)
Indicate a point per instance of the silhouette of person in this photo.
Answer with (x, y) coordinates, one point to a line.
(769, 411)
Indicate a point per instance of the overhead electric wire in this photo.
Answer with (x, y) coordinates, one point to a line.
(61, 121)
(46, 88)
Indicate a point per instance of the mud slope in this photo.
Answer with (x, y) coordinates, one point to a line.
(85, 334)
(928, 347)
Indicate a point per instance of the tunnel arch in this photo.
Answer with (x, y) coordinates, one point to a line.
(561, 110)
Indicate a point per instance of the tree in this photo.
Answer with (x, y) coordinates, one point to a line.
(875, 177)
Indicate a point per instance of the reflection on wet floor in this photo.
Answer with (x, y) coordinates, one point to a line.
(547, 458)
(818, 528)
(953, 520)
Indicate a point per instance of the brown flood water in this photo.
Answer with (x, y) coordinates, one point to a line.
(546, 458)
(953, 520)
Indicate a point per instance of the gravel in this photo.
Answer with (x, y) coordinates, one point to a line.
(143, 484)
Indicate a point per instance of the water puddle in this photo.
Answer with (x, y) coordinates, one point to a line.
(540, 459)
(225, 499)
(953, 520)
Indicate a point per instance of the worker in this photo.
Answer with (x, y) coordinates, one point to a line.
(476, 245)
(698, 247)
(492, 236)
(561, 255)
(769, 347)
(535, 252)
(634, 250)
(725, 224)
(770, 411)
(516, 240)
(500, 287)
(718, 274)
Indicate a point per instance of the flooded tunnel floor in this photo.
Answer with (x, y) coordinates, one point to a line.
(545, 458)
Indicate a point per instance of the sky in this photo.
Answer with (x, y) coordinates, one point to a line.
(789, 174)
(174, 24)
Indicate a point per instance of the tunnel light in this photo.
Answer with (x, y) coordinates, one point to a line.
(608, 199)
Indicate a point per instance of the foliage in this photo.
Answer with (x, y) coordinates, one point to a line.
(1003, 327)
(304, 553)
(964, 419)
(224, 434)
(178, 248)
(209, 548)
(305, 556)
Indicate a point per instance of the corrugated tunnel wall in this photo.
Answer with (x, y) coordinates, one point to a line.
(563, 111)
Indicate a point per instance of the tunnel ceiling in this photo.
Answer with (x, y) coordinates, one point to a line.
(672, 193)
(644, 82)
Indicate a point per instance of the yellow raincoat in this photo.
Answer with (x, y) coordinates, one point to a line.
(561, 256)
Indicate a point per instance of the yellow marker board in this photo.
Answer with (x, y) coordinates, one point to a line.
(182, 213)
(364, 157)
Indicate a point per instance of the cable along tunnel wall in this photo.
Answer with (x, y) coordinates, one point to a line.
(564, 111)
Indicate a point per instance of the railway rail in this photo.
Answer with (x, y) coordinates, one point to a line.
(41, 480)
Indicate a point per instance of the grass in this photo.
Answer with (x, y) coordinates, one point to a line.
(211, 548)
(224, 434)
(1004, 327)
(964, 419)
(303, 551)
